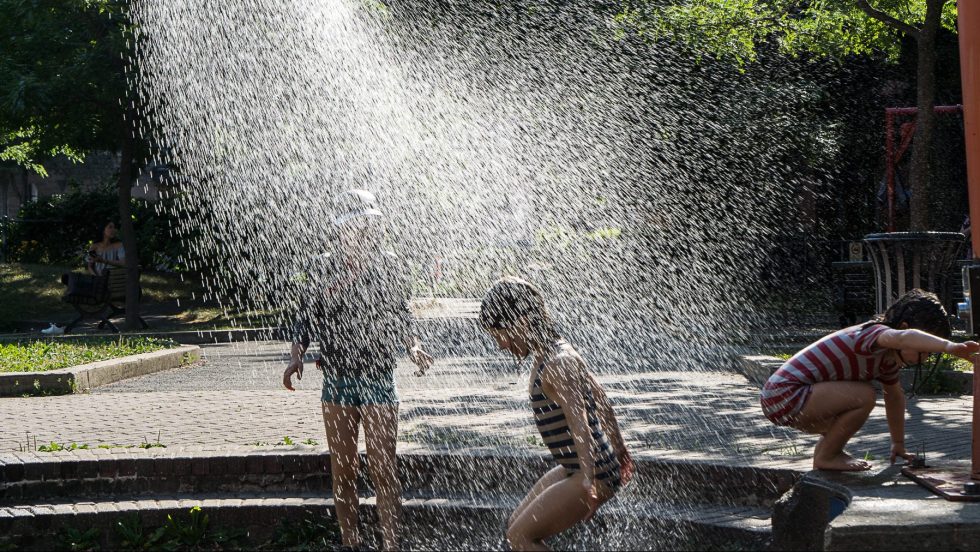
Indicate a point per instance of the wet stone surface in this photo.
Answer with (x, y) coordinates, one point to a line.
(235, 398)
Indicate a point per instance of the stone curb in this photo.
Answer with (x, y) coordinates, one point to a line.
(80, 379)
(431, 517)
(758, 368)
(107, 472)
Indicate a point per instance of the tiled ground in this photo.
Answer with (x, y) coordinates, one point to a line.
(235, 398)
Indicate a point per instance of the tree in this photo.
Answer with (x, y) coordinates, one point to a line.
(734, 29)
(64, 89)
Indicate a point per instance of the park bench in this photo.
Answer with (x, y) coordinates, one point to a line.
(99, 298)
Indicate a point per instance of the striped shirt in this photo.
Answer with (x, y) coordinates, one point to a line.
(549, 416)
(851, 354)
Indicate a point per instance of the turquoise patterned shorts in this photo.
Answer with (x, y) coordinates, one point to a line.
(358, 391)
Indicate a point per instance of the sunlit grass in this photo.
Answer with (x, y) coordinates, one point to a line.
(44, 355)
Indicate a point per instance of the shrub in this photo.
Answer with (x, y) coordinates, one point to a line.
(59, 229)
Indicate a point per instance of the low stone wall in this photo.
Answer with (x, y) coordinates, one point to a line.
(451, 501)
(80, 379)
(133, 471)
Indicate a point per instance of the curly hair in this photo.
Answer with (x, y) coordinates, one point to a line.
(511, 299)
(921, 310)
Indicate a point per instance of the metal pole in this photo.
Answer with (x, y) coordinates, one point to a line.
(975, 465)
(969, 38)
(890, 167)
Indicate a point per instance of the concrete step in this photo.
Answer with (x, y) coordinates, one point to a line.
(114, 472)
(432, 522)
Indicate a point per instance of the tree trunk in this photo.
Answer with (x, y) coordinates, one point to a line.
(127, 229)
(920, 172)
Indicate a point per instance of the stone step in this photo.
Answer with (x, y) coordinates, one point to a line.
(431, 522)
(87, 473)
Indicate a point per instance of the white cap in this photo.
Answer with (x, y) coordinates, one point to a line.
(354, 204)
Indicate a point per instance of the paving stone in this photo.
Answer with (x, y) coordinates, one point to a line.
(464, 404)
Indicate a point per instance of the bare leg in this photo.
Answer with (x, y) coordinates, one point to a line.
(341, 423)
(558, 507)
(380, 437)
(836, 410)
(553, 476)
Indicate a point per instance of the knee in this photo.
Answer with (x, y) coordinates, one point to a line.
(868, 397)
(516, 538)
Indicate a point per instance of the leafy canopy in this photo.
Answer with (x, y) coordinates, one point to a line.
(63, 86)
(734, 29)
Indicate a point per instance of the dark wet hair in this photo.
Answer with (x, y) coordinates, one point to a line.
(510, 299)
(921, 310)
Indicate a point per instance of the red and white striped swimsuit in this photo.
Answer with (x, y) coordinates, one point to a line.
(846, 355)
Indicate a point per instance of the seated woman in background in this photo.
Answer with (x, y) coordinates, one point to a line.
(107, 253)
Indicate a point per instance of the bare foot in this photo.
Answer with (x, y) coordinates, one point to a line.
(842, 462)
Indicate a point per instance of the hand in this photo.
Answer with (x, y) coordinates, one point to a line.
(966, 350)
(898, 451)
(421, 359)
(591, 497)
(295, 367)
(626, 467)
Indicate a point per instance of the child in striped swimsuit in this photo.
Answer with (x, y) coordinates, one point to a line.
(571, 411)
(826, 388)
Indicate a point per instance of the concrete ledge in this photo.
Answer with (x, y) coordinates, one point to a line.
(81, 379)
(252, 487)
(889, 512)
(109, 472)
(432, 522)
(758, 368)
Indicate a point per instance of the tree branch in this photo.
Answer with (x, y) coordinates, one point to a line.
(875, 13)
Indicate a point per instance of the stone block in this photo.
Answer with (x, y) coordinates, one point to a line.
(801, 516)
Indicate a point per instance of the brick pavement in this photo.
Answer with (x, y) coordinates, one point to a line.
(234, 398)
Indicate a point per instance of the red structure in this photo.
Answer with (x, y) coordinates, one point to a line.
(969, 37)
(954, 483)
(892, 157)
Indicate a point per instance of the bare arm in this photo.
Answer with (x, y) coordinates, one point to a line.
(607, 417)
(301, 341)
(413, 345)
(895, 414)
(923, 342)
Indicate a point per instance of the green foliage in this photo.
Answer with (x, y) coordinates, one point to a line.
(195, 533)
(132, 535)
(188, 533)
(310, 533)
(192, 531)
(62, 227)
(59, 229)
(44, 355)
(947, 361)
(57, 447)
(63, 78)
(71, 538)
(735, 29)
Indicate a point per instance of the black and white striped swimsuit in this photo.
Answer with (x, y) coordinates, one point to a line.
(553, 426)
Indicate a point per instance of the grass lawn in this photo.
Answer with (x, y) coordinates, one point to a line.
(43, 355)
(30, 294)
